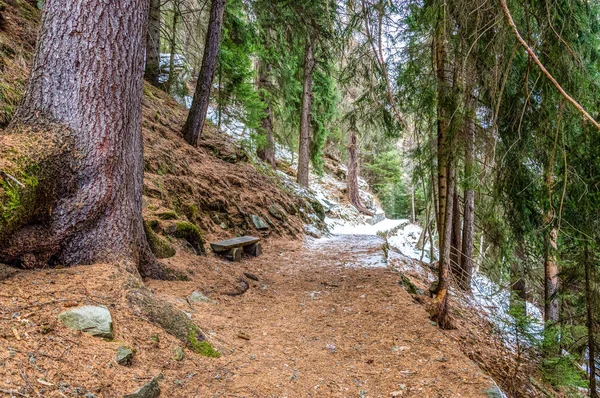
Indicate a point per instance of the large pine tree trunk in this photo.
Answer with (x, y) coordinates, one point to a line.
(197, 115)
(304, 147)
(153, 44)
(75, 148)
(91, 208)
(267, 152)
(352, 175)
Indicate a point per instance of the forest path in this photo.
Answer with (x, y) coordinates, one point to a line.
(331, 319)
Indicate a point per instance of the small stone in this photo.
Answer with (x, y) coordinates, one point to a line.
(93, 320)
(252, 357)
(124, 355)
(494, 392)
(243, 336)
(223, 225)
(276, 212)
(258, 222)
(178, 354)
(396, 394)
(197, 297)
(148, 390)
(313, 231)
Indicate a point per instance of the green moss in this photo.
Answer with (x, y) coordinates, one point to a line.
(167, 215)
(191, 233)
(159, 247)
(203, 348)
(17, 200)
(148, 92)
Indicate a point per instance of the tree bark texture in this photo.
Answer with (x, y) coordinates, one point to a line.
(352, 175)
(84, 95)
(304, 147)
(152, 71)
(197, 115)
(551, 312)
(266, 153)
(172, 48)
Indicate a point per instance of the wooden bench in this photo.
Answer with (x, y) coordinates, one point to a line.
(233, 247)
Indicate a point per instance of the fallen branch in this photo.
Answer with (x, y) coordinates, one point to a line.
(12, 392)
(531, 53)
(6, 175)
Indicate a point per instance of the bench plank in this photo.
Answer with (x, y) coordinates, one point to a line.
(226, 245)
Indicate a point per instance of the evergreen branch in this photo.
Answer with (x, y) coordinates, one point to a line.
(532, 54)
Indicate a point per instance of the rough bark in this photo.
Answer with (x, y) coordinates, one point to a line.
(590, 325)
(152, 71)
(551, 282)
(197, 115)
(518, 285)
(94, 211)
(352, 175)
(267, 152)
(304, 147)
(442, 132)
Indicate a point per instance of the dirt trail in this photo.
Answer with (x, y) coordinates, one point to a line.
(326, 318)
(330, 319)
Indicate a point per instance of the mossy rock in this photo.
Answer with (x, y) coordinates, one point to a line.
(160, 247)
(191, 233)
(318, 209)
(203, 347)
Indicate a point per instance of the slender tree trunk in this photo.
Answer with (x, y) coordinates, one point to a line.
(442, 132)
(466, 261)
(551, 312)
(197, 115)
(518, 286)
(266, 153)
(455, 241)
(590, 324)
(352, 175)
(153, 44)
(304, 147)
(413, 218)
(90, 209)
(172, 49)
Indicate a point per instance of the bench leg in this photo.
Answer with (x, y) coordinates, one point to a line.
(234, 255)
(253, 250)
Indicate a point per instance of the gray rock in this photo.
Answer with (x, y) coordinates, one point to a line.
(197, 297)
(378, 217)
(258, 222)
(178, 354)
(124, 355)
(276, 212)
(90, 319)
(313, 231)
(494, 392)
(6, 272)
(148, 390)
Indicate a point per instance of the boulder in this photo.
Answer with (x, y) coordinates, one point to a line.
(93, 320)
(258, 222)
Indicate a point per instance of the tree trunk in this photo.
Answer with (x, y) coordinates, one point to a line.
(267, 152)
(85, 191)
(197, 115)
(518, 286)
(466, 261)
(352, 175)
(551, 312)
(442, 132)
(304, 147)
(590, 325)
(172, 49)
(153, 44)
(455, 240)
